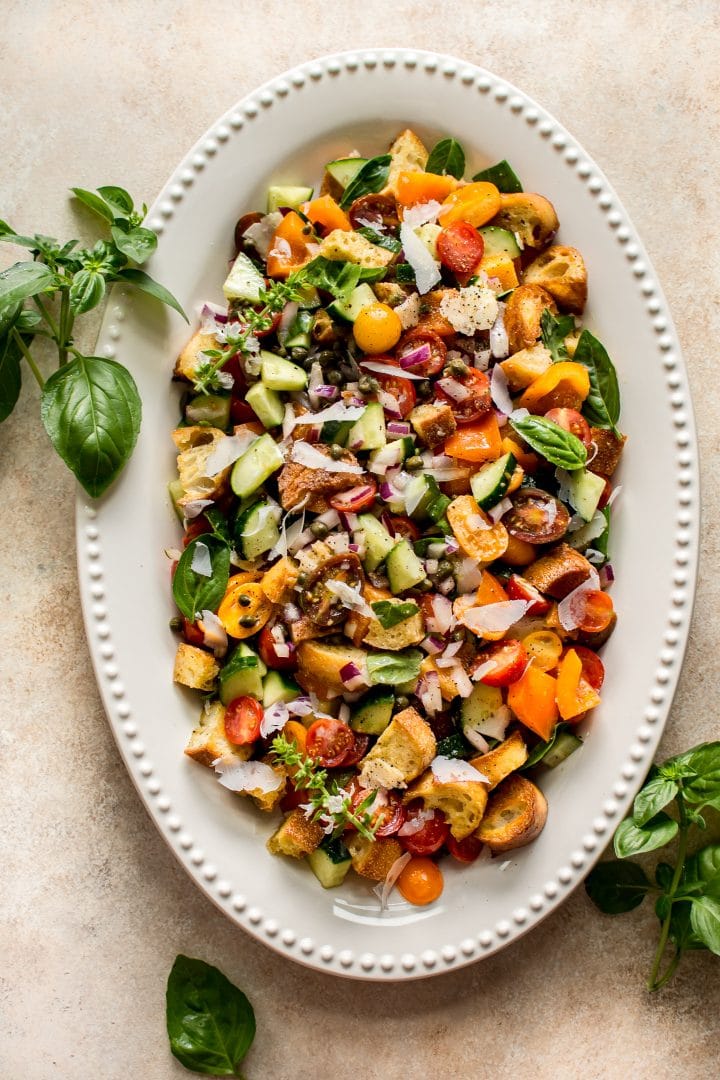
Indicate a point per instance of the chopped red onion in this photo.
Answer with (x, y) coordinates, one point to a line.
(287, 318)
(352, 677)
(291, 613)
(419, 355)
(447, 585)
(398, 428)
(607, 575)
(432, 645)
(348, 519)
(499, 345)
(500, 392)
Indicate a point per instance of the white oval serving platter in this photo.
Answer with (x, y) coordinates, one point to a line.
(284, 132)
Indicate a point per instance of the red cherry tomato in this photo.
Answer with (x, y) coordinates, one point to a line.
(401, 389)
(509, 660)
(478, 401)
(518, 588)
(358, 751)
(356, 499)
(293, 797)
(593, 669)
(592, 611)
(536, 517)
(269, 655)
(385, 819)
(438, 352)
(605, 497)
(573, 421)
(240, 411)
(402, 527)
(192, 633)
(430, 837)
(243, 717)
(329, 742)
(196, 527)
(241, 228)
(466, 850)
(460, 247)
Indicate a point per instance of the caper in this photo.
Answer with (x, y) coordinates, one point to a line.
(247, 621)
(298, 352)
(349, 369)
(302, 578)
(336, 451)
(244, 600)
(401, 701)
(458, 635)
(423, 389)
(176, 624)
(365, 384)
(458, 367)
(334, 377)
(425, 585)
(445, 567)
(319, 530)
(414, 463)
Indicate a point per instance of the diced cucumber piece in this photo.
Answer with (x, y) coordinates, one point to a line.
(330, 863)
(244, 282)
(421, 492)
(280, 374)
(477, 713)
(429, 234)
(378, 541)
(404, 272)
(278, 687)
(499, 241)
(372, 714)
(176, 492)
(309, 297)
(212, 409)
(348, 310)
(298, 334)
(565, 744)
(336, 431)
(393, 453)
(503, 176)
(267, 404)
(261, 459)
(242, 675)
(404, 569)
(285, 195)
(368, 432)
(345, 169)
(491, 482)
(585, 490)
(256, 529)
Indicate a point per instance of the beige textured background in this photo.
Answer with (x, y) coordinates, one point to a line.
(93, 907)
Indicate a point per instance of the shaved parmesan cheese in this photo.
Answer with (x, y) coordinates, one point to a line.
(338, 411)
(201, 563)
(307, 455)
(442, 619)
(494, 726)
(214, 632)
(499, 345)
(454, 389)
(469, 310)
(519, 414)
(421, 213)
(383, 890)
(495, 618)
(195, 507)
(453, 770)
(389, 369)
(260, 233)
(417, 822)
(427, 271)
(568, 609)
(409, 311)
(468, 575)
(499, 390)
(274, 719)
(251, 776)
(226, 451)
(585, 533)
(350, 598)
(613, 495)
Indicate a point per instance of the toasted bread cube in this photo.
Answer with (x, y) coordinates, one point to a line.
(531, 216)
(504, 759)
(304, 629)
(195, 668)
(560, 270)
(195, 444)
(405, 748)
(558, 572)
(524, 367)
(390, 292)
(609, 450)
(296, 837)
(433, 424)
(462, 801)
(354, 248)
(408, 632)
(319, 667)
(373, 858)
(278, 582)
(523, 312)
(268, 800)
(448, 687)
(408, 154)
(191, 357)
(209, 742)
(516, 814)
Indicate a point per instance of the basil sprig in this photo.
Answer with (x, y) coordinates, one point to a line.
(553, 330)
(210, 1023)
(447, 158)
(335, 276)
(556, 445)
(503, 176)
(193, 592)
(602, 405)
(687, 894)
(389, 614)
(367, 180)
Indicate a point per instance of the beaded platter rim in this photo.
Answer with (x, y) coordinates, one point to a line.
(321, 955)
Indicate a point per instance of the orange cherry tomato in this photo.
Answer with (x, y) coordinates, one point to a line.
(474, 203)
(289, 246)
(460, 247)
(420, 881)
(592, 611)
(243, 717)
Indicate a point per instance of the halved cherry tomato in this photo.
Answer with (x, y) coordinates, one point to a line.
(240, 411)
(269, 654)
(466, 850)
(293, 797)
(592, 611)
(402, 527)
(243, 717)
(356, 499)
(593, 669)
(420, 882)
(377, 212)
(273, 325)
(358, 751)
(518, 588)
(573, 421)
(438, 352)
(509, 660)
(478, 401)
(536, 517)
(460, 247)
(430, 837)
(329, 742)
(544, 648)
(192, 633)
(387, 813)
(318, 601)
(241, 228)
(401, 389)
(196, 528)
(605, 497)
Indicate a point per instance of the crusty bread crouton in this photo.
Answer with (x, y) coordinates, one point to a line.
(609, 450)
(296, 482)
(278, 582)
(268, 800)
(195, 444)
(433, 424)
(558, 572)
(560, 270)
(516, 814)
(390, 292)
(522, 368)
(319, 667)
(448, 687)
(304, 629)
(373, 859)
(209, 742)
(504, 759)
(296, 837)
(190, 358)
(408, 154)
(523, 312)
(315, 555)
(354, 248)
(408, 632)
(405, 748)
(195, 668)
(532, 217)
(462, 801)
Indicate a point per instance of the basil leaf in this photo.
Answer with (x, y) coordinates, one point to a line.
(389, 614)
(335, 276)
(542, 749)
(632, 839)
(702, 785)
(503, 176)
(602, 405)
(393, 669)
(26, 321)
(556, 445)
(379, 239)
(707, 866)
(22, 280)
(91, 411)
(616, 887)
(705, 921)
(447, 157)
(210, 1023)
(682, 934)
(194, 592)
(138, 244)
(455, 746)
(86, 291)
(140, 280)
(93, 202)
(554, 330)
(10, 374)
(118, 199)
(652, 798)
(367, 180)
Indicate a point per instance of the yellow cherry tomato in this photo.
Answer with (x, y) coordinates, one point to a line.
(544, 649)
(420, 881)
(377, 329)
(245, 608)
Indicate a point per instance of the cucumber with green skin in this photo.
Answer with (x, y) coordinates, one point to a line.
(242, 675)
(373, 713)
(330, 863)
(368, 432)
(256, 529)
(348, 310)
(212, 409)
(378, 541)
(261, 459)
(277, 373)
(499, 241)
(565, 744)
(490, 483)
(244, 282)
(267, 405)
(345, 169)
(278, 687)
(404, 569)
(286, 195)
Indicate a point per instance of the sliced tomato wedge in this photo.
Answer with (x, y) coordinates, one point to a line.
(401, 389)
(593, 669)
(293, 797)
(402, 527)
(329, 742)
(509, 660)
(385, 818)
(478, 400)
(518, 588)
(573, 421)
(267, 647)
(317, 599)
(192, 633)
(466, 850)
(434, 363)
(536, 517)
(431, 835)
(196, 528)
(243, 717)
(605, 497)
(460, 247)
(356, 499)
(358, 751)
(592, 611)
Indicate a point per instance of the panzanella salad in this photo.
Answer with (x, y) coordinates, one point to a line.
(394, 476)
